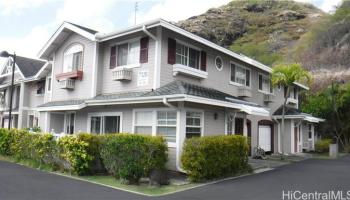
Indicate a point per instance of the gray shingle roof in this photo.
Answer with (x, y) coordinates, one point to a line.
(84, 28)
(173, 88)
(63, 103)
(28, 66)
(289, 111)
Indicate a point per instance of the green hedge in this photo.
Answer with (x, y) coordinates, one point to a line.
(322, 146)
(215, 156)
(130, 157)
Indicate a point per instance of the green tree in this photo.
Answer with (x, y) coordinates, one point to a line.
(286, 75)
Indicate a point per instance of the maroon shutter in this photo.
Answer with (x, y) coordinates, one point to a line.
(203, 61)
(144, 50)
(171, 51)
(113, 57)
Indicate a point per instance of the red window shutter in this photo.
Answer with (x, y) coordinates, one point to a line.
(171, 51)
(203, 61)
(113, 57)
(144, 49)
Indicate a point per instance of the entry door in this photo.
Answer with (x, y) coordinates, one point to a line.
(265, 138)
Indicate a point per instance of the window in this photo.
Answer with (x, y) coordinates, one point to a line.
(166, 125)
(143, 122)
(295, 93)
(187, 56)
(193, 124)
(49, 84)
(239, 126)
(229, 124)
(128, 53)
(240, 75)
(265, 83)
(310, 131)
(70, 121)
(73, 58)
(104, 124)
(218, 63)
(40, 85)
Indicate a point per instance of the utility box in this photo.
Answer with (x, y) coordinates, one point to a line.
(333, 150)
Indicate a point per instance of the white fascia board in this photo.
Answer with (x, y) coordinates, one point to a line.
(42, 69)
(303, 117)
(301, 86)
(58, 32)
(61, 108)
(165, 24)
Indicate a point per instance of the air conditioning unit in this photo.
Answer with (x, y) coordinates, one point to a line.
(121, 74)
(268, 98)
(244, 92)
(68, 84)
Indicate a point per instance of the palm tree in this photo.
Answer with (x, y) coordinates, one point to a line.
(285, 75)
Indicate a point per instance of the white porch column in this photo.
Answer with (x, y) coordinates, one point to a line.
(46, 120)
(245, 128)
(20, 106)
(180, 133)
(313, 136)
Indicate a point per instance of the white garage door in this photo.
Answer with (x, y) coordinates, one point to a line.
(265, 137)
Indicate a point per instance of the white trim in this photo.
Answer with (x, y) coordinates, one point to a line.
(65, 122)
(188, 45)
(292, 100)
(102, 115)
(201, 111)
(165, 24)
(158, 59)
(65, 25)
(61, 108)
(128, 66)
(301, 86)
(183, 69)
(222, 63)
(48, 63)
(301, 116)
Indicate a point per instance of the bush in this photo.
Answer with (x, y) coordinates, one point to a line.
(93, 149)
(44, 149)
(5, 141)
(131, 157)
(75, 153)
(215, 156)
(322, 146)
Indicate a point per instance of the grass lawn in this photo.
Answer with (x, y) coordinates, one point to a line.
(142, 188)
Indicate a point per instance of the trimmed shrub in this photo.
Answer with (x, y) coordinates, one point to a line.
(44, 149)
(131, 157)
(5, 141)
(212, 157)
(93, 149)
(322, 146)
(75, 153)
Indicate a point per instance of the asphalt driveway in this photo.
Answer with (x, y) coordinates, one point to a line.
(22, 183)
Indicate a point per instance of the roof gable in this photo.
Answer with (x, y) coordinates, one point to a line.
(62, 33)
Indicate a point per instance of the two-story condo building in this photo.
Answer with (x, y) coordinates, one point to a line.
(156, 78)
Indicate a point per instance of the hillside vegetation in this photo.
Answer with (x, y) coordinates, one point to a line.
(282, 31)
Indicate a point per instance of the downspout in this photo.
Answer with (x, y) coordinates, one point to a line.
(177, 161)
(156, 62)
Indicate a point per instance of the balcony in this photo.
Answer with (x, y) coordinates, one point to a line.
(189, 71)
(269, 98)
(243, 91)
(68, 84)
(292, 101)
(121, 74)
(70, 75)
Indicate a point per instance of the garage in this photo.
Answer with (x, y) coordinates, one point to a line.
(265, 138)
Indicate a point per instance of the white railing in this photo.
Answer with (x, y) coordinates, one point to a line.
(268, 98)
(121, 74)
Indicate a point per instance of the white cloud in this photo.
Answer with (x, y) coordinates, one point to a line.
(175, 10)
(8, 7)
(87, 13)
(330, 6)
(28, 45)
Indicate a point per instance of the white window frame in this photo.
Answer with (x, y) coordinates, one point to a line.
(201, 121)
(245, 68)
(188, 54)
(134, 65)
(154, 122)
(222, 63)
(271, 88)
(102, 115)
(36, 91)
(47, 83)
(66, 114)
(64, 70)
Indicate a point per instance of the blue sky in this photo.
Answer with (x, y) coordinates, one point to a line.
(27, 24)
